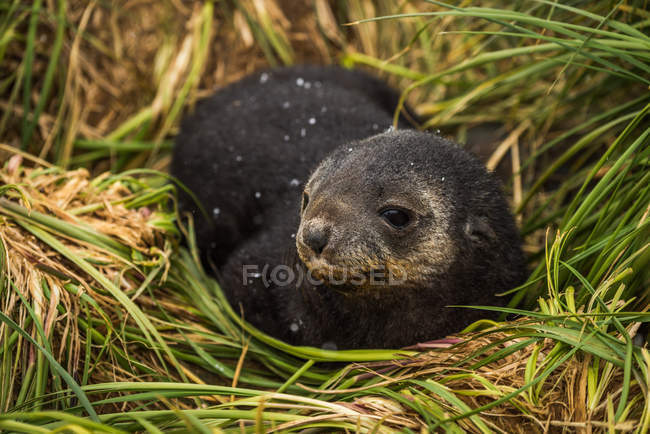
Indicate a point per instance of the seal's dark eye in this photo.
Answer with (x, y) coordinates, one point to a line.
(396, 217)
(305, 200)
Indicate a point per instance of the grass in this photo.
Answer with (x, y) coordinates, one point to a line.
(109, 325)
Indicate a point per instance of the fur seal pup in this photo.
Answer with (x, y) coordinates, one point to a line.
(368, 250)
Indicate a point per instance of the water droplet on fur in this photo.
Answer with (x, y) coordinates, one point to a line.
(437, 131)
(442, 179)
(286, 105)
(307, 85)
(312, 121)
(286, 138)
(390, 129)
(264, 77)
(329, 345)
(258, 195)
(216, 212)
(349, 149)
(293, 235)
(299, 81)
(238, 158)
(294, 182)
(303, 132)
(375, 126)
(412, 163)
(294, 327)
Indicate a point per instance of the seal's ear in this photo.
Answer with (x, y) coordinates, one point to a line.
(478, 229)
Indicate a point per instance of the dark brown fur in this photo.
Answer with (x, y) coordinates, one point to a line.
(460, 249)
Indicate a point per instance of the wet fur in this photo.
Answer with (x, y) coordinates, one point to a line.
(464, 249)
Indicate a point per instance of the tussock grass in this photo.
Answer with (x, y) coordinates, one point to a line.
(107, 324)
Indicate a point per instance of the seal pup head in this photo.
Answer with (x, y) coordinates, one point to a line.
(399, 210)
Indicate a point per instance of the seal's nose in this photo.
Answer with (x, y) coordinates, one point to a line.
(316, 239)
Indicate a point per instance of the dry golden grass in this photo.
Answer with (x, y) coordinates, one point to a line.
(88, 219)
(123, 58)
(561, 402)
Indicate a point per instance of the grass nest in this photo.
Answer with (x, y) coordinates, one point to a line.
(108, 323)
(98, 310)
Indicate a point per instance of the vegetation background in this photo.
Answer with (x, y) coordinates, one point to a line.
(107, 324)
